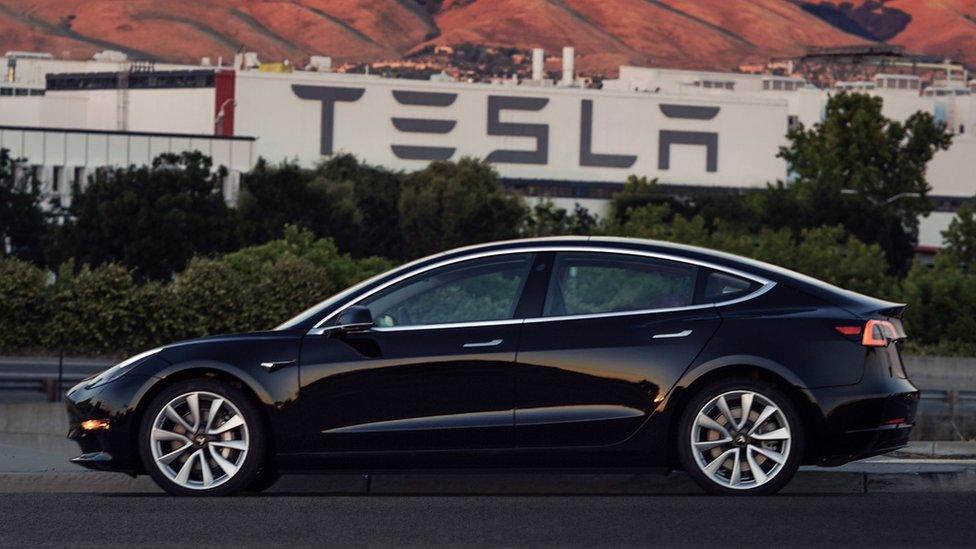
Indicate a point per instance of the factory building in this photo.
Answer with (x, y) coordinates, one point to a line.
(694, 129)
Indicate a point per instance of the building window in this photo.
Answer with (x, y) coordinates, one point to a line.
(56, 179)
(79, 177)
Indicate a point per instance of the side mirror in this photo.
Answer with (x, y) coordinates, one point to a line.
(354, 319)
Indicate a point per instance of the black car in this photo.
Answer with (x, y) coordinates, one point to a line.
(558, 353)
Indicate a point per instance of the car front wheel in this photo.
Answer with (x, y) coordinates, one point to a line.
(202, 437)
(741, 437)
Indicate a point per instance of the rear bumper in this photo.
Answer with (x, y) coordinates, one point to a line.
(868, 419)
(849, 438)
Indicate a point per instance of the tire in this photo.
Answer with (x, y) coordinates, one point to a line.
(218, 450)
(755, 457)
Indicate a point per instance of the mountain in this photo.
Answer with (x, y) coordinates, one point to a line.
(937, 27)
(718, 34)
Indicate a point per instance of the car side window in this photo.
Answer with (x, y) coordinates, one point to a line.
(471, 291)
(590, 283)
(723, 287)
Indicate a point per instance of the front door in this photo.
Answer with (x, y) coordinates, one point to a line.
(434, 373)
(616, 333)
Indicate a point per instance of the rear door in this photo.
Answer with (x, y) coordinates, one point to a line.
(615, 333)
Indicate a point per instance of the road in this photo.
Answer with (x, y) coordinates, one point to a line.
(936, 519)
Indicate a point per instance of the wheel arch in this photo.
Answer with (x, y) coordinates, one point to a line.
(201, 370)
(753, 368)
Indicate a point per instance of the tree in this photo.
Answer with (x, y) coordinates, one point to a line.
(548, 220)
(151, 219)
(941, 305)
(376, 192)
(827, 253)
(637, 192)
(275, 196)
(451, 204)
(875, 159)
(22, 221)
(960, 238)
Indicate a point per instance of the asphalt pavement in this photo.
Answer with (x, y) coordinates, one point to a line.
(288, 520)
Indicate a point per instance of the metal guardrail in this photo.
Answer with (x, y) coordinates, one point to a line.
(53, 375)
(50, 375)
(947, 402)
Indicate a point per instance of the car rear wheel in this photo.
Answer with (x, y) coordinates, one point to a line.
(202, 437)
(740, 437)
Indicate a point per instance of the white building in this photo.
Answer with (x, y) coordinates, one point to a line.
(687, 128)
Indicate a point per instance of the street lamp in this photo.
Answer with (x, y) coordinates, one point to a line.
(221, 114)
(891, 200)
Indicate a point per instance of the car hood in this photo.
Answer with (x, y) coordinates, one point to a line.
(180, 350)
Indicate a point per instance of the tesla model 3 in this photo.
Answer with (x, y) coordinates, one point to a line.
(569, 353)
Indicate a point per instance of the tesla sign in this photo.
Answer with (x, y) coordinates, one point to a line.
(332, 98)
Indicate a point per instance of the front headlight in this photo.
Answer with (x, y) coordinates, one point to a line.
(121, 368)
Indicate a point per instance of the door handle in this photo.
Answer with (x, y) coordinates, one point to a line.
(684, 333)
(491, 343)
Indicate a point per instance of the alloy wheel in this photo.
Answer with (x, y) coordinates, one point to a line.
(741, 439)
(199, 440)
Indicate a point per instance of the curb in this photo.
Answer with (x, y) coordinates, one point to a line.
(938, 449)
(805, 482)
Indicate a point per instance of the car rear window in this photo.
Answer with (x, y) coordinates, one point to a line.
(723, 287)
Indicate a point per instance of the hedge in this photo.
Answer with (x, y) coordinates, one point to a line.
(104, 311)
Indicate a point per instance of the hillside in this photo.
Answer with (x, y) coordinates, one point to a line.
(938, 27)
(716, 34)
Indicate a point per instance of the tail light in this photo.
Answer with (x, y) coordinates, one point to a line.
(849, 331)
(878, 333)
(875, 333)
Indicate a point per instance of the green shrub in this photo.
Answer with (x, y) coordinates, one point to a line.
(23, 306)
(157, 317)
(829, 254)
(212, 298)
(90, 312)
(941, 304)
(300, 243)
(287, 287)
(826, 253)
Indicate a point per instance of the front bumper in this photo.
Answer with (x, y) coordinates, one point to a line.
(112, 448)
